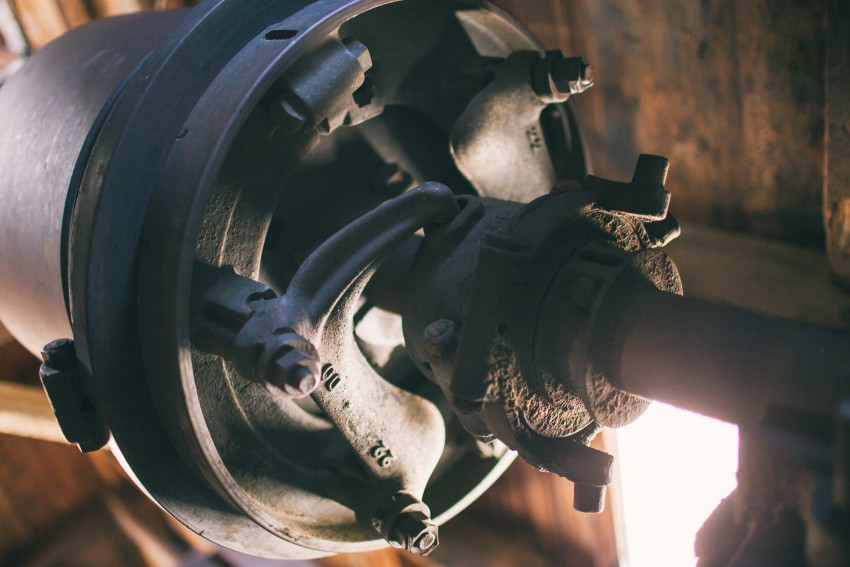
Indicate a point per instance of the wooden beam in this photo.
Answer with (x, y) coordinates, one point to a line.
(765, 276)
(114, 7)
(41, 20)
(76, 12)
(25, 411)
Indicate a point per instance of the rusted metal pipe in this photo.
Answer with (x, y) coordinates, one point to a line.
(725, 362)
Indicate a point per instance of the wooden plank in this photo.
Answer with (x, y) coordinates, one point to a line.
(41, 20)
(25, 411)
(764, 276)
(837, 183)
(102, 8)
(13, 37)
(153, 545)
(17, 364)
(40, 482)
(170, 4)
(76, 12)
(89, 537)
(465, 541)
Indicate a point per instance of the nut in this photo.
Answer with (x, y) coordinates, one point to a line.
(414, 534)
(295, 373)
(555, 77)
(59, 353)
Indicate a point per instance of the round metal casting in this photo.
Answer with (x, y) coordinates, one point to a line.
(194, 141)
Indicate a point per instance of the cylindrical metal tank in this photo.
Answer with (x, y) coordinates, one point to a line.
(50, 109)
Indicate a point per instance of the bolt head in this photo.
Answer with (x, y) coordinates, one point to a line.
(555, 77)
(59, 353)
(570, 74)
(414, 533)
(427, 542)
(296, 374)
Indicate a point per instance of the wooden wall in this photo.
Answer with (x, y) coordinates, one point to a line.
(732, 91)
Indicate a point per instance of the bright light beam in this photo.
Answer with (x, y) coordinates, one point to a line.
(675, 467)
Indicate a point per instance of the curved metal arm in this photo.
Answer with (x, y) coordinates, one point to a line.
(324, 279)
(398, 437)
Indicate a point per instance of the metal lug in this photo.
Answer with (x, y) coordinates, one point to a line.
(74, 410)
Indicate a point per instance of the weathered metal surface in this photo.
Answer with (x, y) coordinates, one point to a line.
(725, 362)
(135, 235)
(49, 108)
(499, 302)
(499, 142)
(62, 380)
(397, 436)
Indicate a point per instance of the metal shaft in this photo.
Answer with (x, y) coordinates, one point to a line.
(725, 362)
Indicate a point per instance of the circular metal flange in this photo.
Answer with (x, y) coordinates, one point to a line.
(175, 144)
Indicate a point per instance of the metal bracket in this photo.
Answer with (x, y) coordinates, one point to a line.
(244, 321)
(78, 418)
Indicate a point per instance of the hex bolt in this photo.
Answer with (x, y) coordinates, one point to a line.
(407, 525)
(292, 367)
(296, 374)
(588, 498)
(59, 354)
(644, 198)
(555, 77)
(359, 51)
(414, 534)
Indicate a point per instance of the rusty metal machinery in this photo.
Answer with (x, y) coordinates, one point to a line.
(323, 263)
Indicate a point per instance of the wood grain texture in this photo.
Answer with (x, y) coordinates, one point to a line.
(25, 412)
(76, 12)
(102, 8)
(731, 91)
(41, 20)
(764, 276)
(837, 183)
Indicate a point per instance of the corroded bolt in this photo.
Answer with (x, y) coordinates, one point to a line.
(407, 525)
(414, 534)
(293, 368)
(555, 77)
(296, 374)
